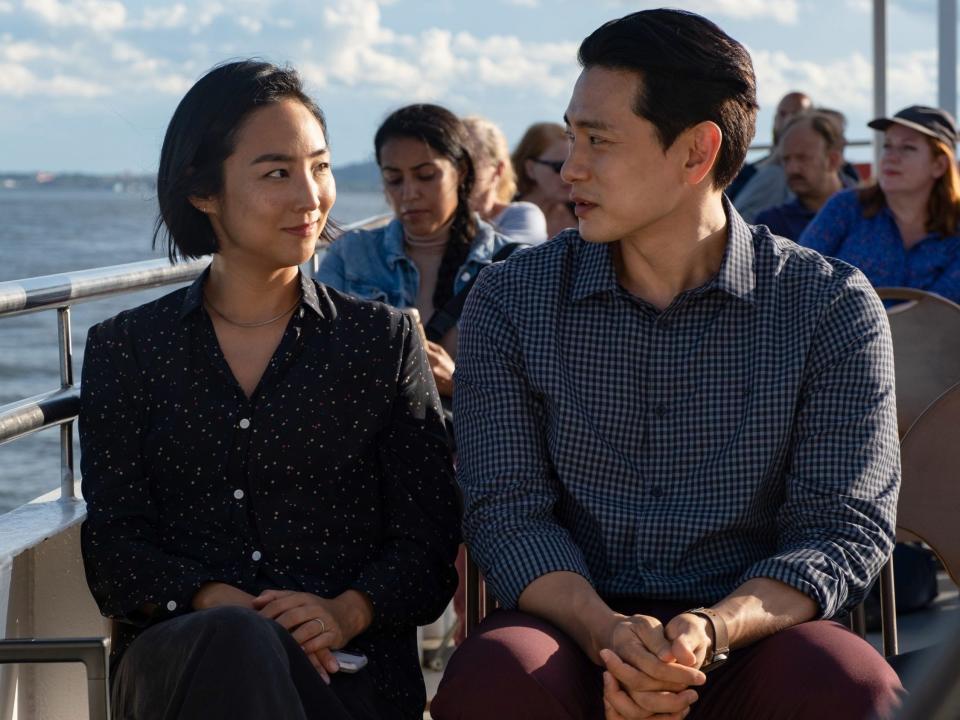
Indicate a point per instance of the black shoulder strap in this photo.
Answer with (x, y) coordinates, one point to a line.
(449, 315)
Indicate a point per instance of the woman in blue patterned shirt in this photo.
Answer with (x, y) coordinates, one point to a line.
(903, 229)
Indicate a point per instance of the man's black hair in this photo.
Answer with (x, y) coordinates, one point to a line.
(690, 72)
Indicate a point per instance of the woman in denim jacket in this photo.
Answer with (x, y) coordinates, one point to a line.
(435, 245)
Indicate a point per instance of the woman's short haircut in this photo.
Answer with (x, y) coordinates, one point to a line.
(690, 71)
(487, 143)
(201, 135)
(534, 143)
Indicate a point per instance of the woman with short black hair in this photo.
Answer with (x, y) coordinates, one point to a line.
(264, 461)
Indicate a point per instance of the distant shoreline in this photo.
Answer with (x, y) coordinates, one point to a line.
(355, 177)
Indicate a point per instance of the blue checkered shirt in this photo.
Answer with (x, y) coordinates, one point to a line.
(747, 430)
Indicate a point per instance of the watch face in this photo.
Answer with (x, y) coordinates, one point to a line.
(715, 662)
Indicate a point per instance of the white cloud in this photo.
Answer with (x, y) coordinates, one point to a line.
(15, 80)
(784, 12)
(207, 14)
(171, 83)
(781, 11)
(198, 16)
(5, 7)
(522, 3)
(251, 25)
(68, 86)
(864, 7)
(19, 81)
(847, 83)
(913, 77)
(146, 72)
(23, 51)
(164, 17)
(99, 15)
(843, 83)
(431, 63)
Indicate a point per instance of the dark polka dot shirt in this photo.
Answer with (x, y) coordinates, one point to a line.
(334, 475)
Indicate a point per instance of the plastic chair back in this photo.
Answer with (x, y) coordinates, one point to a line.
(926, 349)
(929, 504)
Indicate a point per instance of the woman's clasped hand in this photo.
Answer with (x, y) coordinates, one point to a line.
(318, 624)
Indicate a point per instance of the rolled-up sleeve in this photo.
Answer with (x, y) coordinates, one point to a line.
(836, 525)
(508, 483)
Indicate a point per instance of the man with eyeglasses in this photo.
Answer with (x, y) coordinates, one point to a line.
(678, 442)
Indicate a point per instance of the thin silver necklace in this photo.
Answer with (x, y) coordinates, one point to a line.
(250, 324)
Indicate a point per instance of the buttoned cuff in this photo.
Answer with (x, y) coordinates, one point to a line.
(175, 598)
(383, 609)
(809, 571)
(519, 560)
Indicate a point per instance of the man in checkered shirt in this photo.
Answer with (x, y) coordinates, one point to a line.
(677, 432)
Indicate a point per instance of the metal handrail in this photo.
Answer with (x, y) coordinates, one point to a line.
(59, 292)
(849, 143)
(47, 292)
(39, 412)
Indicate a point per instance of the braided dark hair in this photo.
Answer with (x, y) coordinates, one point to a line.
(445, 134)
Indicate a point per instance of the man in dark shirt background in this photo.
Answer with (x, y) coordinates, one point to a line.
(667, 409)
(762, 183)
(812, 155)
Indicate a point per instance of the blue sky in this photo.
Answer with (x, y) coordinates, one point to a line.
(89, 85)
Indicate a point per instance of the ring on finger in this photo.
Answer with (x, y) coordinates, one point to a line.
(323, 627)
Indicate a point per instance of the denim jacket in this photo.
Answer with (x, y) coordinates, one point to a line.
(372, 264)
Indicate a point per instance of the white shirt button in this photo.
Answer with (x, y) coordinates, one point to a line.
(465, 276)
(256, 555)
(238, 494)
(172, 605)
(244, 423)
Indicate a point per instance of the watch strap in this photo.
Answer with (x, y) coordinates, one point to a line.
(721, 643)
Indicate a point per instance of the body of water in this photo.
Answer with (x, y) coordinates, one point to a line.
(43, 232)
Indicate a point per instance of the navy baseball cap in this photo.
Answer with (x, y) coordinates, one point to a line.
(930, 121)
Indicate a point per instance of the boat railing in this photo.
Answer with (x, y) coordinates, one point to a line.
(757, 147)
(60, 406)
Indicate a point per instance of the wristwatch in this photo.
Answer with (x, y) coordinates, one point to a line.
(721, 645)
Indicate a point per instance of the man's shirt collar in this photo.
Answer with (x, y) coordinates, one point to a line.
(595, 272)
(594, 269)
(193, 300)
(737, 276)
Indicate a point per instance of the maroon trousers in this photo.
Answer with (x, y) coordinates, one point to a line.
(519, 666)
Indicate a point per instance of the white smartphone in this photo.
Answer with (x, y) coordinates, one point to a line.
(350, 662)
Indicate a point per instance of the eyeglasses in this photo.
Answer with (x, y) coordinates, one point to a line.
(554, 165)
